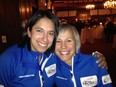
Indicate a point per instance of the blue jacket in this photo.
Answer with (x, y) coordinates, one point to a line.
(19, 68)
(83, 73)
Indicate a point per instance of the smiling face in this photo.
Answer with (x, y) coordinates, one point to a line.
(41, 35)
(65, 46)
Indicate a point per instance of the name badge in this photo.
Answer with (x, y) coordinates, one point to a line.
(1, 85)
(89, 81)
(50, 70)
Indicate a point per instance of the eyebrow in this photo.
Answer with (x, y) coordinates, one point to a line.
(52, 30)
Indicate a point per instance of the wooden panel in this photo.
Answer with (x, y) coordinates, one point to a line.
(76, 4)
(104, 11)
(66, 13)
(12, 14)
(93, 12)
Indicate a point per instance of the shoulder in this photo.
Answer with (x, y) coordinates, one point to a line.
(11, 54)
(10, 51)
(87, 58)
(87, 55)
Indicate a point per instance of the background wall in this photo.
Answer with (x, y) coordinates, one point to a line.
(13, 15)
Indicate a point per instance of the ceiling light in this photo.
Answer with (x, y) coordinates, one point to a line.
(110, 4)
(90, 6)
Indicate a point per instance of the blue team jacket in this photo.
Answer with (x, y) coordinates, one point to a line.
(19, 68)
(83, 73)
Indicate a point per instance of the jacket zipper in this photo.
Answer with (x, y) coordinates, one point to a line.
(72, 72)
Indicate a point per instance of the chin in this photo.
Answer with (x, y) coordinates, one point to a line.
(41, 51)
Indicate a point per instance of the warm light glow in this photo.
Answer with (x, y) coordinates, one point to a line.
(110, 4)
(100, 23)
(90, 6)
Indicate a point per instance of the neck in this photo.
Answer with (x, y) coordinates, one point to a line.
(69, 63)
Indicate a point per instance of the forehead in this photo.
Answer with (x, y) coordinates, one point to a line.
(45, 22)
(66, 33)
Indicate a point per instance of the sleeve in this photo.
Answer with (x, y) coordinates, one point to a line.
(5, 69)
(104, 79)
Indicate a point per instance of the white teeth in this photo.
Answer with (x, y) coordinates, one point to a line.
(43, 45)
(64, 53)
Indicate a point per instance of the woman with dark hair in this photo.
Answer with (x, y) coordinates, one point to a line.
(20, 65)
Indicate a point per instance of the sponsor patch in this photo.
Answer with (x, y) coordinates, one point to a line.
(1, 85)
(89, 81)
(50, 70)
(106, 79)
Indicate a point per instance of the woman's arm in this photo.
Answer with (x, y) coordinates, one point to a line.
(102, 60)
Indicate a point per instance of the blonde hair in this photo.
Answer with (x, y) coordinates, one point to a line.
(64, 27)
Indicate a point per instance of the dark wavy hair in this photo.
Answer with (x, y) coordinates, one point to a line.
(33, 20)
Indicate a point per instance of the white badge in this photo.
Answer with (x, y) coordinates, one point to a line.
(89, 81)
(1, 85)
(50, 70)
(106, 79)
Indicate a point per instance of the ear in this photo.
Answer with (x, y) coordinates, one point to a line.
(28, 32)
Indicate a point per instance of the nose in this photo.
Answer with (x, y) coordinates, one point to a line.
(63, 45)
(45, 37)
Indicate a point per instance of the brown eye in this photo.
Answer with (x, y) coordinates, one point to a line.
(58, 41)
(69, 40)
(39, 30)
(51, 33)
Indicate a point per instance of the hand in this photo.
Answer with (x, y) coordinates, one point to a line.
(102, 60)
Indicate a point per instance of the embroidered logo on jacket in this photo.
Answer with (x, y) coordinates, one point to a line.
(106, 79)
(50, 70)
(25, 76)
(59, 77)
(89, 81)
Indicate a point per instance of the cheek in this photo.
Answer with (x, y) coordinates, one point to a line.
(57, 46)
(36, 35)
(50, 42)
(73, 47)
(51, 39)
